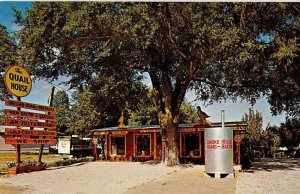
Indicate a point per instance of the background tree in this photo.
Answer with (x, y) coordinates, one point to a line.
(273, 139)
(216, 49)
(260, 142)
(102, 101)
(8, 56)
(62, 104)
(116, 92)
(254, 140)
(147, 113)
(84, 116)
(187, 113)
(289, 133)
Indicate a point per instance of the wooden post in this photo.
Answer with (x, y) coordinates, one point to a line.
(18, 150)
(154, 145)
(134, 143)
(239, 150)
(200, 150)
(180, 144)
(239, 154)
(106, 147)
(49, 104)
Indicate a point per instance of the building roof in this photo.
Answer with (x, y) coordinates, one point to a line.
(190, 125)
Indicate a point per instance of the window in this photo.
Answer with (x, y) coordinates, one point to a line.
(143, 145)
(118, 145)
(190, 145)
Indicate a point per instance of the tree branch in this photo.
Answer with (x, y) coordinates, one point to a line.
(170, 30)
(210, 83)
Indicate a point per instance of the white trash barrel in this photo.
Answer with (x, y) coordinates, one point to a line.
(218, 150)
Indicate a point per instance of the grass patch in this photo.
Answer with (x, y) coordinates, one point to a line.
(6, 157)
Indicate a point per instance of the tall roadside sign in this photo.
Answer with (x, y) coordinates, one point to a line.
(18, 82)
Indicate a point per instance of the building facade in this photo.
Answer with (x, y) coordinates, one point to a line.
(142, 143)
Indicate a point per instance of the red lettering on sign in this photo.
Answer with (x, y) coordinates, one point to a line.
(209, 146)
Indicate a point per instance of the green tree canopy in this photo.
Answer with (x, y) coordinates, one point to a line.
(62, 104)
(221, 50)
(146, 113)
(84, 116)
(101, 102)
(8, 56)
(290, 133)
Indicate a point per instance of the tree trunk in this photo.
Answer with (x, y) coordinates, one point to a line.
(170, 141)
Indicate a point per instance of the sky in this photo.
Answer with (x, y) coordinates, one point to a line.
(233, 111)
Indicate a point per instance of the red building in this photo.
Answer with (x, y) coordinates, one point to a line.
(141, 143)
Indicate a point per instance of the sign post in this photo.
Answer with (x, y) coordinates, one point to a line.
(237, 139)
(18, 150)
(18, 82)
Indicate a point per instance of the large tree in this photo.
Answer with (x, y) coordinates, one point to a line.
(222, 50)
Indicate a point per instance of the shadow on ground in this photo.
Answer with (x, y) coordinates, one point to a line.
(155, 162)
(270, 164)
(67, 166)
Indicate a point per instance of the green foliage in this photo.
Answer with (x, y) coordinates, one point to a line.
(8, 56)
(221, 50)
(254, 140)
(103, 100)
(147, 113)
(84, 116)
(291, 136)
(67, 162)
(278, 63)
(264, 143)
(188, 113)
(25, 163)
(273, 140)
(289, 133)
(63, 113)
(124, 92)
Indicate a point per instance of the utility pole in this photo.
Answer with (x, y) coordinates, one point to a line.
(50, 102)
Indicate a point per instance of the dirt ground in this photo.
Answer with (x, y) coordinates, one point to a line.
(266, 176)
(271, 176)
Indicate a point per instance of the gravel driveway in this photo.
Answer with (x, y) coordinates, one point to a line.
(266, 176)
